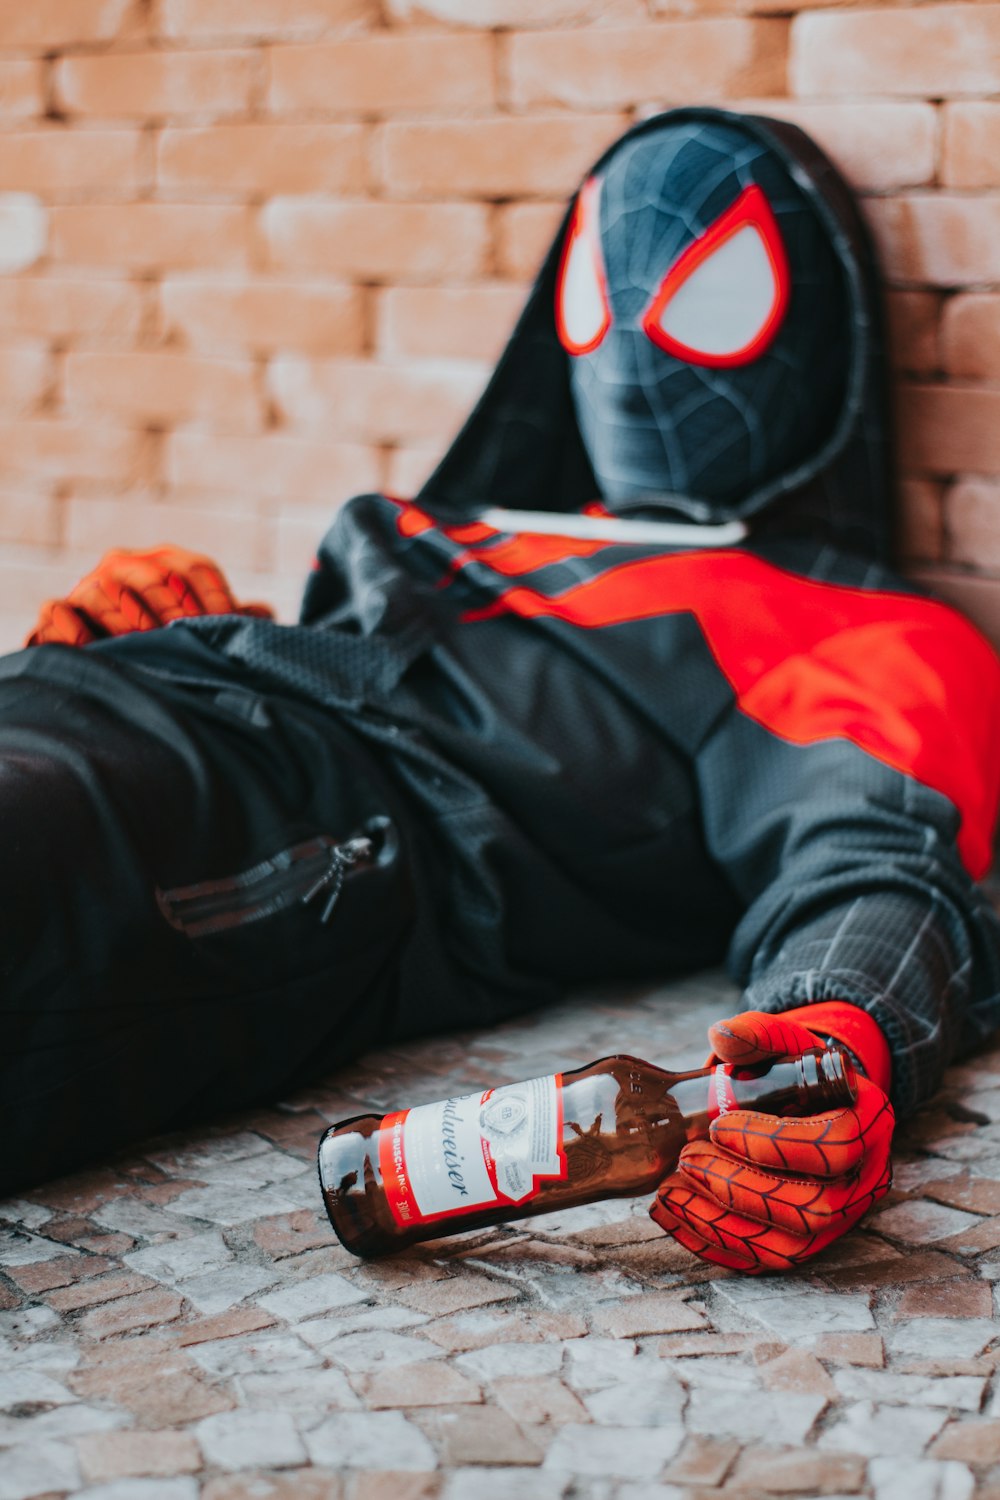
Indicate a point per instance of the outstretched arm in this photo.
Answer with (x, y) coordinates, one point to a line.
(851, 798)
(138, 590)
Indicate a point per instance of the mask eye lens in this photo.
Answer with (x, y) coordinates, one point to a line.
(583, 313)
(724, 300)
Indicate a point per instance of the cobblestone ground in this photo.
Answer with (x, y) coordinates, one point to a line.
(182, 1324)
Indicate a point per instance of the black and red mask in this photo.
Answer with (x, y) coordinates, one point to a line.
(705, 314)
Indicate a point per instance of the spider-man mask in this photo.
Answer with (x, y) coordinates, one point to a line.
(706, 316)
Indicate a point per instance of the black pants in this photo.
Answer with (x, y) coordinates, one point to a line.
(159, 962)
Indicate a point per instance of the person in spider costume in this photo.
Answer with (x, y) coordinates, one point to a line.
(629, 685)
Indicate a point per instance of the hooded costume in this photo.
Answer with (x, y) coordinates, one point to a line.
(626, 688)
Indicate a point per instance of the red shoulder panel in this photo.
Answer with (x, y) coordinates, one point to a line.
(907, 679)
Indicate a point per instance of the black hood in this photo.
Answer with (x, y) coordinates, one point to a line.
(522, 447)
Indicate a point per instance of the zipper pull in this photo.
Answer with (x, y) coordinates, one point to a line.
(340, 856)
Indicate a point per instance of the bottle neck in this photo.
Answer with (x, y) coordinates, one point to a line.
(807, 1085)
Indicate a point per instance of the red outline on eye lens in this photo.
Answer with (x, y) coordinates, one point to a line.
(583, 223)
(752, 208)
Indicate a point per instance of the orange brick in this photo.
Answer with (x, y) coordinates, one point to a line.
(380, 403)
(453, 322)
(25, 374)
(971, 153)
(146, 236)
(920, 529)
(261, 18)
(612, 67)
(50, 24)
(977, 598)
(28, 515)
(228, 530)
(970, 335)
(406, 242)
(264, 316)
(144, 85)
(233, 161)
(58, 448)
(163, 387)
(949, 429)
(383, 74)
(913, 331)
(972, 523)
(408, 468)
(524, 233)
(920, 50)
(492, 13)
(937, 239)
(499, 158)
(876, 145)
(70, 309)
(68, 163)
(21, 90)
(272, 466)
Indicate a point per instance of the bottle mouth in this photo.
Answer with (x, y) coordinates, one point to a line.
(831, 1066)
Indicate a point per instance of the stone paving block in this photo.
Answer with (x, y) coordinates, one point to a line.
(57, 1423)
(538, 1398)
(792, 1471)
(880, 1431)
(290, 1234)
(656, 1312)
(717, 1411)
(927, 1265)
(979, 1195)
(703, 1460)
(983, 1235)
(362, 1352)
(426, 1384)
(945, 1299)
(794, 1311)
(250, 1439)
(146, 1310)
(684, 1346)
(114, 1455)
(23, 1249)
(963, 1337)
(317, 1295)
(919, 1222)
(175, 1399)
(798, 1370)
(38, 1469)
(225, 1325)
(973, 1442)
(918, 1479)
(177, 1259)
(142, 1489)
(225, 1204)
(302, 1391)
(474, 1483)
(456, 1294)
(621, 1452)
(961, 1392)
(319, 1332)
(297, 1484)
(254, 1352)
(498, 1360)
(101, 1289)
(370, 1440)
(26, 1323)
(480, 1435)
(638, 1403)
(477, 1330)
(218, 1291)
(21, 1386)
(43, 1275)
(391, 1484)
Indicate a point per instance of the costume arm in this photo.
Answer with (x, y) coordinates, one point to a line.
(855, 872)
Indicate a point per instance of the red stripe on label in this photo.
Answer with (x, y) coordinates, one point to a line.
(906, 679)
(392, 1162)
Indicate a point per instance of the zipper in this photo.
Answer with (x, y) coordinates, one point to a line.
(298, 874)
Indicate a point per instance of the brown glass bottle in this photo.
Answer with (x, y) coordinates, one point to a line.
(612, 1129)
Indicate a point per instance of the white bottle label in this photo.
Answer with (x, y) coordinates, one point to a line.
(475, 1151)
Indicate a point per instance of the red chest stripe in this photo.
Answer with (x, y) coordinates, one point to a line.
(906, 679)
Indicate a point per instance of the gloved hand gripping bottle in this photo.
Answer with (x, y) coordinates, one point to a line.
(612, 1129)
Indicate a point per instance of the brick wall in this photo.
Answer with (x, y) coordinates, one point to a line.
(256, 255)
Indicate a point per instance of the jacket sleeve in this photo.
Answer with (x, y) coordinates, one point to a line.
(855, 852)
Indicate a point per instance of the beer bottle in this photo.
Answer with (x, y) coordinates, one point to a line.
(612, 1129)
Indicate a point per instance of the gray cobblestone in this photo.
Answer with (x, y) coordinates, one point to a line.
(580, 1356)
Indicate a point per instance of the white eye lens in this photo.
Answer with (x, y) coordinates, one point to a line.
(723, 301)
(726, 302)
(582, 312)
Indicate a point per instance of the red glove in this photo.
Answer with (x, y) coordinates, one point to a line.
(766, 1192)
(138, 591)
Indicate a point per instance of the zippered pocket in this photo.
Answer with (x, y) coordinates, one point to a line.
(317, 867)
